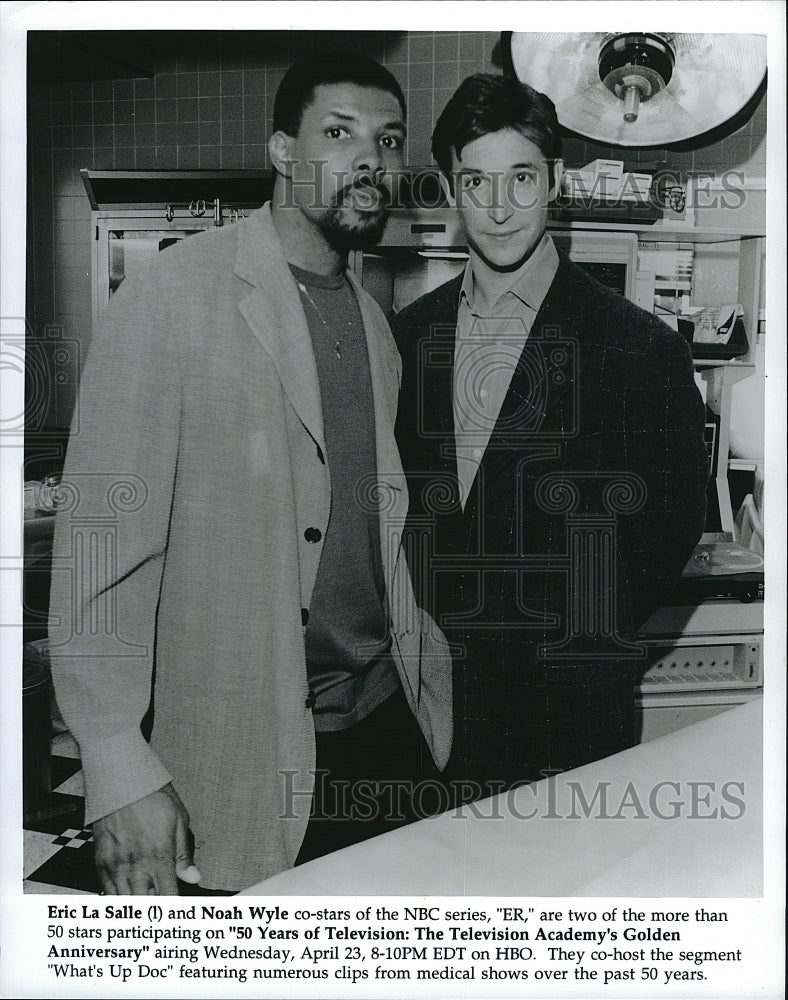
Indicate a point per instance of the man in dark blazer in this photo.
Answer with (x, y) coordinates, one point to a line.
(552, 434)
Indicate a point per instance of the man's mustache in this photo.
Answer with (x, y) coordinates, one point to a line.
(365, 187)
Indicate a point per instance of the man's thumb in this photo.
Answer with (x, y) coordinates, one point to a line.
(185, 868)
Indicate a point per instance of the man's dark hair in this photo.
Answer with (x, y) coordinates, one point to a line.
(486, 103)
(297, 89)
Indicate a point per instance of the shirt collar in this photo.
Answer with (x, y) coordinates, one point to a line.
(530, 283)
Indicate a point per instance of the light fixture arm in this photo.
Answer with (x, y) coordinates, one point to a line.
(641, 89)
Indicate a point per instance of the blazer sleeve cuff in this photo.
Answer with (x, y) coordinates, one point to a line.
(118, 771)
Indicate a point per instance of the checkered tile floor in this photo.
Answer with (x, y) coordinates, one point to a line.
(58, 849)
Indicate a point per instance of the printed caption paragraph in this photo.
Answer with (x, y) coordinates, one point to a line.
(408, 945)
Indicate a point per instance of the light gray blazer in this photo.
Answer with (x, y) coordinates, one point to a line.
(194, 470)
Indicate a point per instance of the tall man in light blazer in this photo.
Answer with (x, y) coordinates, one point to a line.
(235, 484)
(552, 434)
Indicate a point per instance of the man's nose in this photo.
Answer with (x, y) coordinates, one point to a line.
(500, 210)
(369, 158)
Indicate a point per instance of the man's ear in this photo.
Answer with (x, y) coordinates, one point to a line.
(280, 149)
(447, 186)
(558, 173)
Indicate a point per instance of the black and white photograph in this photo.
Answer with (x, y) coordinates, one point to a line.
(393, 471)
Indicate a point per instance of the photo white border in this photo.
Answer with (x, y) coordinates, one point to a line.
(17, 921)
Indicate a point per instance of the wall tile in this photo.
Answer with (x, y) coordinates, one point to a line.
(255, 156)
(66, 207)
(124, 135)
(144, 111)
(166, 157)
(232, 157)
(62, 113)
(210, 133)
(420, 77)
(145, 157)
(103, 158)
(254, 81)
(232, 132)
(145, 134)
(187, 109)
(166, 86)
(144, 89)
(103, 112)
(209, 84)
(447, 47)
(255, 131)
(471, 46)
(232, 108)
(124, 112)
(125, 157)
(102, 90)
(187, 84)
(65, 231)
(40, 135)
(83, 135)
(208, 109)
(420, 48)
(103, 135)
(166, 111)
(122, 90)
(231, 83)
(210, 157)
(187, 133)
(188, 157)
(82, 113)
(254, 108)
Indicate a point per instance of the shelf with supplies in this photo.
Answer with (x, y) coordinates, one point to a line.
(704, 649)
(687, 272)
(661, 230)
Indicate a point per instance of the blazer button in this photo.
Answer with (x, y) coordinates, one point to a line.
(304, 616)
(310, 701)
(313, 534)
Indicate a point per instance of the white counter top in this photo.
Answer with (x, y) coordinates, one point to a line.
(600, 830)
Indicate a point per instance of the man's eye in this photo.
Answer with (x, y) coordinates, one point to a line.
(471, 181)
(391, 142)
(525, 177)
(336, 132)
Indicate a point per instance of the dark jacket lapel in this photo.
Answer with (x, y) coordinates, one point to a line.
(532, 417)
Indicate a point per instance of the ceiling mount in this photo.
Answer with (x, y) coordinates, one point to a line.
(635, 68)
(640, 89)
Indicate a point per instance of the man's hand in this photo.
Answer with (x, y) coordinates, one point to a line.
(143, 846)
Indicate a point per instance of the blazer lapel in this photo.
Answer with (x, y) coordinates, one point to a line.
(384, 374)
(531, 418)
(438, 373)
(273, 312)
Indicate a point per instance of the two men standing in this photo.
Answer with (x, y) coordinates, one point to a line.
(257, 603)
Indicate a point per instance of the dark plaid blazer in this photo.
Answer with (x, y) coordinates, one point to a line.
(589, 499)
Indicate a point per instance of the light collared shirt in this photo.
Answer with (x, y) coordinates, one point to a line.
(488, 348)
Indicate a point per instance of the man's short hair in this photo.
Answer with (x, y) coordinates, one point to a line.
(486, 103)
(297, 89)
